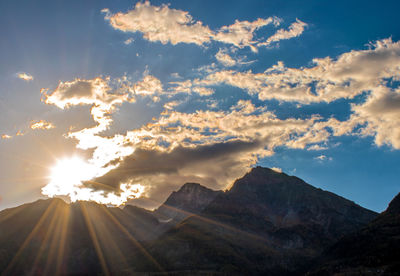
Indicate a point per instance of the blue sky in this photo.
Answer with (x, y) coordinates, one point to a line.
(309, 87)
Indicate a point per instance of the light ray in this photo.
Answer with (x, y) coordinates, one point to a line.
(29, 238)
(94, 238)
(133, 240)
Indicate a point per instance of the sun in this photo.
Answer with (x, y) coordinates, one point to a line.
(67, 178)
(72, 170)
(69, 173)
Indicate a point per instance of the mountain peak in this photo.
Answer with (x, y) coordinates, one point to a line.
(265, 178)
(394, 205)
(259, 169)
(190, 198)
(191, 185)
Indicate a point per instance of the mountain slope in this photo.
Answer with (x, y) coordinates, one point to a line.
(267, 200)
(268, 222)
(50, 237)
(373, 250)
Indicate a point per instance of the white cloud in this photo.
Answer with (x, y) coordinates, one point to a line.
(317, 147)
(161, 24)
(25, 76)
(278, 170)
(167, 25)
(148, 86)
(225, 58)
(128, 41)
(381, 113)
(241, 33)
(349, 75)
(295, 30)
(323, 158)
(42, 124)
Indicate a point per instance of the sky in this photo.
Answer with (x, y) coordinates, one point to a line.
(122, 102)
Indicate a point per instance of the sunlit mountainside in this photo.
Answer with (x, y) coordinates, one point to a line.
(267, 223)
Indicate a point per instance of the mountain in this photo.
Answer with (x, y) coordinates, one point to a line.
(51, 237)
(268, 222)
(373, 250)
(190, 199)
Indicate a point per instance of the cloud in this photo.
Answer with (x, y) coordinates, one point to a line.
(216, 146)
(295, 30)
(25, 76)
(144, 163)
(128, 41)
(161, 24)
(241, 33)
(96, 93)
(42, 124)
(148, 86)
(212, 146)
(351, 74)
(317, 147)
(379, 115)
(167, 25)
(278, 170)
(225, 59)
(323, 158)
(189, 87)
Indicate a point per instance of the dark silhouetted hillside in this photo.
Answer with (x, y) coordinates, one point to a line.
(373, 250)
(268, 223)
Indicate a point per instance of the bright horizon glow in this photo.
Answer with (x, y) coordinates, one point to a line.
(68, 175)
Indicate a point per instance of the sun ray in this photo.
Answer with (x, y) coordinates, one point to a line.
(217, 223)
(45, 242)
(9, 213)
(57, 239)
(63, 240)
(133, 240)
(107, 238)
(94, 238)
(34, 231)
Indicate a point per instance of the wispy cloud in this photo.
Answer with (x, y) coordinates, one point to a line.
(276, 169)
(42, 124)
(128, 41)
(317, 147)
(225, 58)
(323, 158)
(295, 30)
(25, 76)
